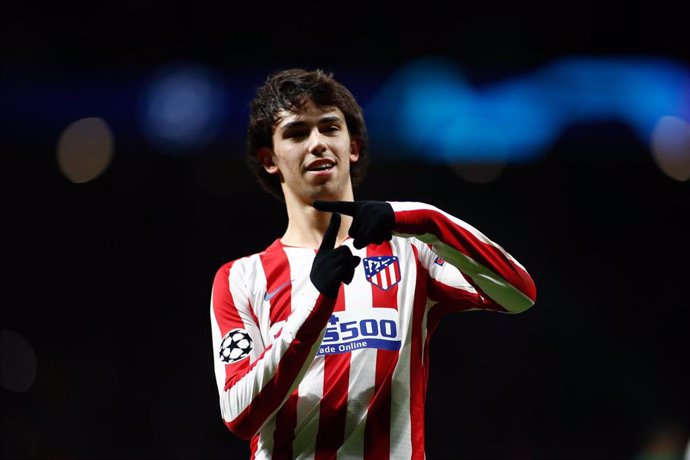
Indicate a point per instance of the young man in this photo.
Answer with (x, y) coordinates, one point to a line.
(321, 341)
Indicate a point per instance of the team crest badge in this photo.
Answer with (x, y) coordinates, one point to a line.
(382, 271)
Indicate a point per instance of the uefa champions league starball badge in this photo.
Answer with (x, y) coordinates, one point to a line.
(235, 346)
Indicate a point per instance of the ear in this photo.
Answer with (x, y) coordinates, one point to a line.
(354, 150)
(265, 156)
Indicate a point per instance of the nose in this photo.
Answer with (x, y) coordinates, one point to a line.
(316, 143)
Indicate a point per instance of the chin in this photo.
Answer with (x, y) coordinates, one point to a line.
(326, 193)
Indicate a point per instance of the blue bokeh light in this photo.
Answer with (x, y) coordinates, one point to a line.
(183, 108)
(428, 111)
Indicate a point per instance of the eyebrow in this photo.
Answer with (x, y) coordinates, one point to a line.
(324, 120)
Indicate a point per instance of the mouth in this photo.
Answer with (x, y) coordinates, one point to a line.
(321, 166)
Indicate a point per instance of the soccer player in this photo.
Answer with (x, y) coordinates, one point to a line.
(321, 341)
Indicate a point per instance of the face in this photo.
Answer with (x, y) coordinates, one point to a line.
(312, 151)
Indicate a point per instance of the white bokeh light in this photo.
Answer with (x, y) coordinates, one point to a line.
(671, 147)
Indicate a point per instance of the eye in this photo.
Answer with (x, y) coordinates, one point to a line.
(331, 129)
(296, 134)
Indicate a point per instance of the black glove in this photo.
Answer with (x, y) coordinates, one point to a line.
(332, 265)
(372, 222)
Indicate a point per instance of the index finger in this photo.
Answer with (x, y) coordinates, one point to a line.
(343, 207)
(331, 234)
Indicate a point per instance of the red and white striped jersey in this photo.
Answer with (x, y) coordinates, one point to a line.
(305, 376)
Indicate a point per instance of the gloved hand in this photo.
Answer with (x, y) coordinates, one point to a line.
(332, 265)
(372, 222)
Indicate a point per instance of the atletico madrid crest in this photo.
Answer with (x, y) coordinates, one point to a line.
(382, 271)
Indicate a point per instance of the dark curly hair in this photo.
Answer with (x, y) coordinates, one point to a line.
(289, 90)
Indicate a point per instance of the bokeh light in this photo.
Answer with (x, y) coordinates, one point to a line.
(85, 149)
(182, 108)
(427, 108)
(18, 362)
(472, 138)
(671, 147)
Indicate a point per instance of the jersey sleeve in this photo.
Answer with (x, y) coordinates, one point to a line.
(255, 378)
(501, 282)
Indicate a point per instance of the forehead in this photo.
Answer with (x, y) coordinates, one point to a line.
(309, 112)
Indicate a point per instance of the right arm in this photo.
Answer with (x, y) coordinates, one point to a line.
(253, 388)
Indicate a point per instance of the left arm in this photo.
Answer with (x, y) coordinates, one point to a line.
(492, 270)
(489, 268)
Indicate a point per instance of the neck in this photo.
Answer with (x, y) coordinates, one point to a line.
(307, 225)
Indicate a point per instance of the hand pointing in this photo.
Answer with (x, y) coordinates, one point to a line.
(332, 265)
(372, 222)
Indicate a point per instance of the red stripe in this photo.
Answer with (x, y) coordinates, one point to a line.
(463, 240)
(253, 446)
(224, 309)
(333, 407)
(227, 317)
(277, 270)
(417, 372)
(247, 423)
(377, 428)
(284, 434)
(452, 299)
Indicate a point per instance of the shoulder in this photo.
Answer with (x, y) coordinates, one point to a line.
(406, 242)
(244, 263)
(412, 246)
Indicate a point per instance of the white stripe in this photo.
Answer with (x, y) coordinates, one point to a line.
(391, 274)
(240, 396)
(255, 271)
(362, 379)
(496, 287)
(384, 279)
(310, 390)
(447, 274)
(265, 443)
(310, 393)
(238, 273)
(262, 308)
(239, 296)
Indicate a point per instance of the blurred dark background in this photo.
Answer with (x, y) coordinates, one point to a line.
(114, 227)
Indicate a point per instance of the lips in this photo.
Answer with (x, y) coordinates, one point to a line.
(320, 165)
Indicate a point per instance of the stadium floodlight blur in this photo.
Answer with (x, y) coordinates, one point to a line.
(428, 111)
(183, 108)
(425, 110)
(671, 147)
(85, 149)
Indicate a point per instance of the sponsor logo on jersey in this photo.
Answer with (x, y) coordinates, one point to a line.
(235, 346)
(439, 261)
(269, 295)
(353, 330)
(382, 271)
